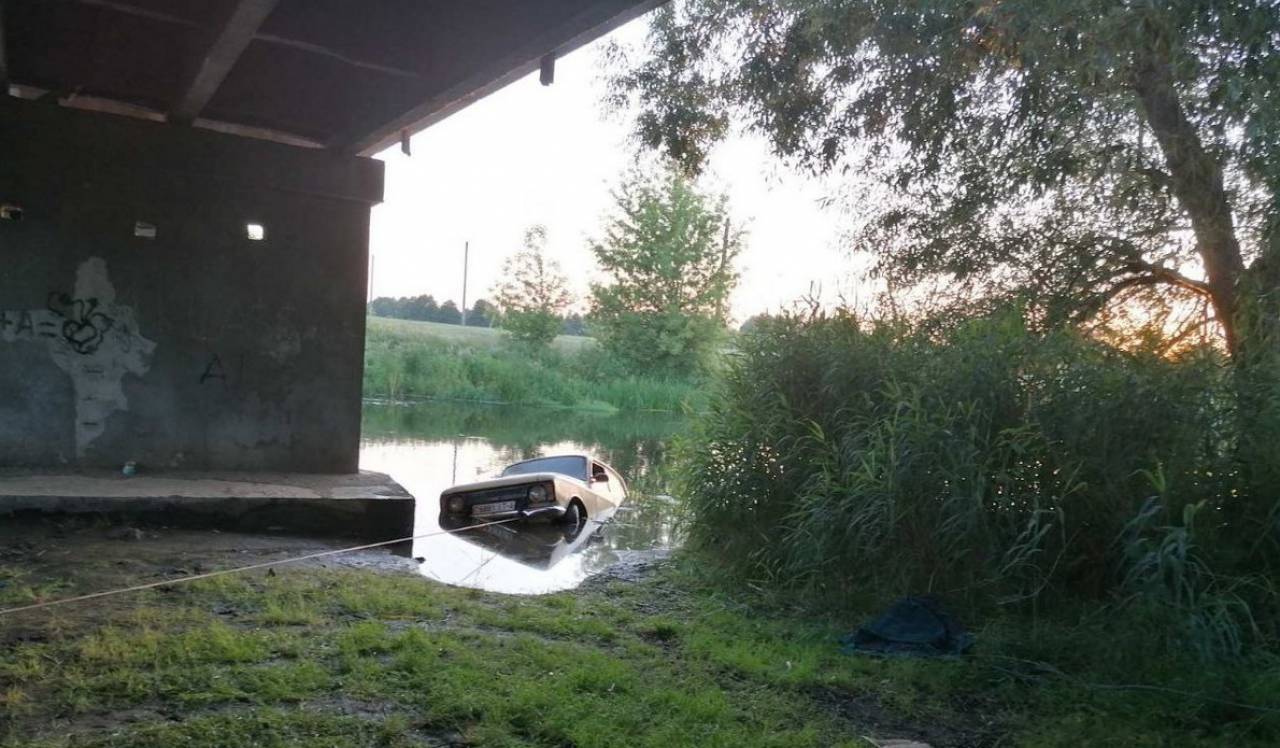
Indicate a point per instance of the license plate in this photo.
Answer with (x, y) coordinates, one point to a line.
(495, 508)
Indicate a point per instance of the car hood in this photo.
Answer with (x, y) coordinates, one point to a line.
(512, 480)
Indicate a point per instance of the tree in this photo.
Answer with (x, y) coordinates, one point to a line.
(574, 324)
(482, 314)
(422, 308)
(1078, 152)
(755, 321)
(534, 292)
(670, 251)
(449, 313)
(383, 306)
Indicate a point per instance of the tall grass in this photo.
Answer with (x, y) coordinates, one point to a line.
(987, 463)
(403, 362)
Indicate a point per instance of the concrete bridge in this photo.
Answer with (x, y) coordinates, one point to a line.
(183, 257)
(185, 193)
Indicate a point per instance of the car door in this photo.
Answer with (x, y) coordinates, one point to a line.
(602, 487)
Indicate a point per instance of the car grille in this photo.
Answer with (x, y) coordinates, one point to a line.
(505, 493)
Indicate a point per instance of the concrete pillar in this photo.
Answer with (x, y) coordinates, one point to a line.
(141, 320)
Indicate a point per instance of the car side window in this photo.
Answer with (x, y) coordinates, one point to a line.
(598, 473)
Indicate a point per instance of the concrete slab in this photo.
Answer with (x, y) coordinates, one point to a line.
(364, 504)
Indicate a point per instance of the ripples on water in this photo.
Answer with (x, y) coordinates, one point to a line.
(428, 447)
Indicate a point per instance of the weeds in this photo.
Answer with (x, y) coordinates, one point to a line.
(401, 363)
(999, 467)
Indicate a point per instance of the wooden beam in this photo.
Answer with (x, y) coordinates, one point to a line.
(231, 40)
(599, 18)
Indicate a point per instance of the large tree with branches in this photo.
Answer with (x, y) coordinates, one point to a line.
(1076, 151)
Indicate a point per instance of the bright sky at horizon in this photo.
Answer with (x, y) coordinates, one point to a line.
(530, 154)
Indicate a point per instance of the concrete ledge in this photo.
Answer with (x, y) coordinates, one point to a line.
(366, 504)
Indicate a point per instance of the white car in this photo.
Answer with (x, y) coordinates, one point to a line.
(567, 488)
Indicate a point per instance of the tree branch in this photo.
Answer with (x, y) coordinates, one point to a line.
(1161, 274)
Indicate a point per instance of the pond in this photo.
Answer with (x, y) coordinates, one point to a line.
(430, 446)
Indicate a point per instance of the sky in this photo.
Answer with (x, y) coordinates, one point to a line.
(530, 154)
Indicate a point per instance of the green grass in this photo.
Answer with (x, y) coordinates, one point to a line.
(315, 657)
(407, 360)
(476, 337)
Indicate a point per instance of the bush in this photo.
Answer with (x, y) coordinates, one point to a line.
(986, 462)
(531, 328)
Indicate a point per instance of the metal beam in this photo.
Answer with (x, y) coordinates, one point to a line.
(235, 35)
(597, 20)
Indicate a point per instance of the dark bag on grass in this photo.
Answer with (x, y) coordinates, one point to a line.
(911, 626)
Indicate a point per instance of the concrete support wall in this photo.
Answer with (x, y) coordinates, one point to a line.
(195, 348)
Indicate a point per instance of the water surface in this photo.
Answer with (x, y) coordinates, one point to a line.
(428, 447)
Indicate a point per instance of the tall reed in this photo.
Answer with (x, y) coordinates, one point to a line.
(985, 462)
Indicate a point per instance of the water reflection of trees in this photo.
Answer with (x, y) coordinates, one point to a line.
(515, 426)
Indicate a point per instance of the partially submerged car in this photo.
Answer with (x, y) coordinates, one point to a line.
(566, 488)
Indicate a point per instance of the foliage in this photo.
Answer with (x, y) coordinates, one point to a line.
(482, 314)
(989, 463)
(632, 441)
(450, 314)
(533, 293)
(754, 321)
(669, 250)
(425, 309)
(1077, 151)
(574, 324)
(402, 362)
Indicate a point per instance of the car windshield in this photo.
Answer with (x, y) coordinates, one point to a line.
(571, 466)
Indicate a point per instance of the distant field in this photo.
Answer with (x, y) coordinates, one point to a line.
(481, 337)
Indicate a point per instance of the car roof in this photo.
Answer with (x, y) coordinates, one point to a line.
(583, 455)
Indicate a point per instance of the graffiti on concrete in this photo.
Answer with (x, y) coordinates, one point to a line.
(84, 325)
(214, 371)
(91, 337)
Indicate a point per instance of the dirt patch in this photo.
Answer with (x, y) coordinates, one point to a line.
(874, 720)
(632, 566)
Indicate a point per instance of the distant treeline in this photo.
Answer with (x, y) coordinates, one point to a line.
(482, 314)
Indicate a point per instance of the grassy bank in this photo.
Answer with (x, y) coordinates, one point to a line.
(405, 359)
(1094, 504)
(347, 657)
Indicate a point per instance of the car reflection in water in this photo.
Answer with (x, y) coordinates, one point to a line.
(537, 545)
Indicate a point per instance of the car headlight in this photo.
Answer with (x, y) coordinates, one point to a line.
(538, 493)
(457, 504)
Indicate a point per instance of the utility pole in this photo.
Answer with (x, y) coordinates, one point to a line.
(466, 259)
(373, 265)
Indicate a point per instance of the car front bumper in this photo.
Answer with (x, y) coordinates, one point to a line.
(545, 512)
